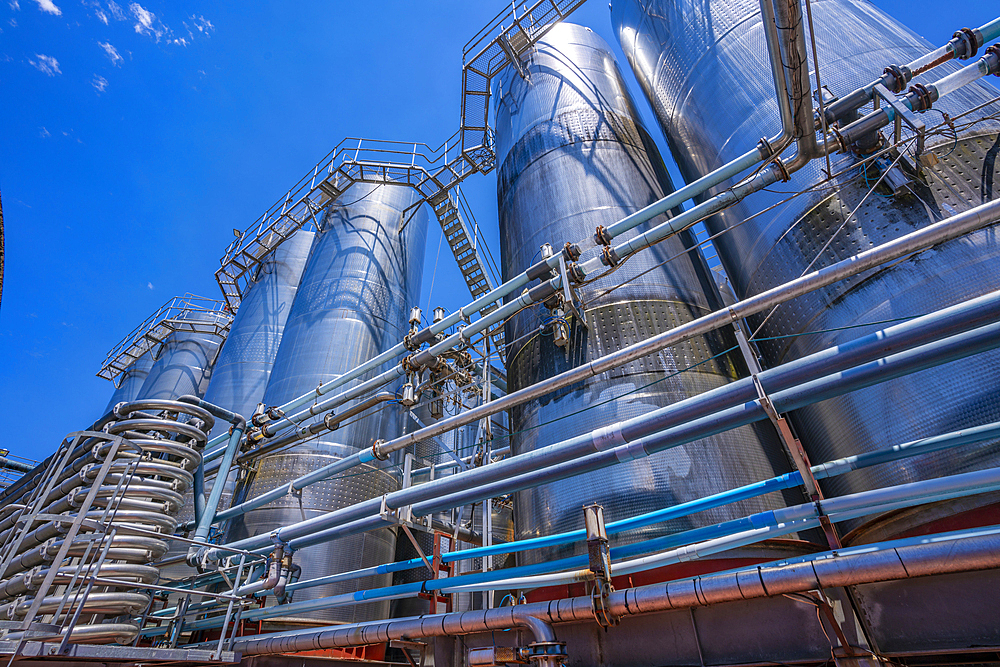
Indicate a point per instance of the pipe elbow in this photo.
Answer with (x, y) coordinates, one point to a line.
(540, 629)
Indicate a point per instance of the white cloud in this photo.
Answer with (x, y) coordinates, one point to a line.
(116, 10)
(149, 285)
(46, 64)
(101, 16)
(112, 53)
(202, 23)
(48, 7)
(44, 133)
(14, 5)
(13, 23)
(147, 23)
(181, 41)
(99, 83)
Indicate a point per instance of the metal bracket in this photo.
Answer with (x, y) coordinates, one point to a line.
(902, 113)
(792, 444)
(569, 294)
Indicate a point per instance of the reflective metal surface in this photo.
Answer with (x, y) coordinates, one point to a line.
(574, 156)
(130, 382)
(703, 67)
(183, 363)
(353, 302)
(244, 366)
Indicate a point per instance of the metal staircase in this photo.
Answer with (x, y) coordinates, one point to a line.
(447, 209)
(435, 172)
(174, 315)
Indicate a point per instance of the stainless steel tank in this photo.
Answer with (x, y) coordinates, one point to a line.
(353, 302)
(183, 362)
(129, 383)
(573, 156)
(245, 362)
(244, 365)
(703, 67)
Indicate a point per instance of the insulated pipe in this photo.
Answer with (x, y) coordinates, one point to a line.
(921, 239)
(623, 441)
(755, 528)
(16, 466)
(684, 546)
(482, 482)
(274, 571)
(901, 559)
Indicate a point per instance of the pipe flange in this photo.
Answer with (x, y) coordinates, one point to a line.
(765, 149)
(571, 252)
(599, 605)
(609, 257)
(899, 78)
(540, 651)
(994, 50)
(377, 450)
(965, 44)
(922, 97)
(575, 273)
(782, 170)
(602, 237)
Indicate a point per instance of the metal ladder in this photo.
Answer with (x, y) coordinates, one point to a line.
(463, 248)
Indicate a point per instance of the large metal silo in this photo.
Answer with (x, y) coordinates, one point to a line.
(353, 302)
(573, 156)
(245, 362)
(129, 383)
(183, 362)
(704, 68)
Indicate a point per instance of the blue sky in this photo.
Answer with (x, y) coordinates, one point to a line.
(135, 137)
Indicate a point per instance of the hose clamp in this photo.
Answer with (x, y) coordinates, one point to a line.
(965, 44)
(781, 170)
(921, 97)
(571, 252)
(765, 149)
(609, 257)
(899, 78)
(602, 237)
(994, 50)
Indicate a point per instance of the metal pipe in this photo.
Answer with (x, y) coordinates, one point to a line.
(207, 516)
(945, 230)
(896, 78)
(274, 571)
(329, 423)
(556, 462)
(919, 98)
(724, 173)
(901, 559)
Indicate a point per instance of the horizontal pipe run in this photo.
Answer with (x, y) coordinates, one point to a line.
(936, 233)
(765, 525)
(863, 96)
(713, 540)
(617, 445)
(364, 456)
(483, 480)
(481, 325)
(940, 232)
(790, 480)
